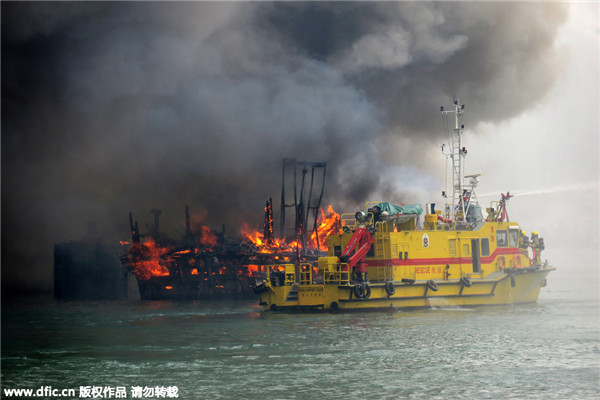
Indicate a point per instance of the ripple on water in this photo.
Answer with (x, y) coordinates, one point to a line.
(548, 350)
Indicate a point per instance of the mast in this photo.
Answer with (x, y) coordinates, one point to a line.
(457, 154)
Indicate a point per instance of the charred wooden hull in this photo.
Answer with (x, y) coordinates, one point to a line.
(166, 288)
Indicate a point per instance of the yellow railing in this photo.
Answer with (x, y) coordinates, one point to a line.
(284, 274)
(493, 215)
(306, 274)
(339, 276)
(348, 220)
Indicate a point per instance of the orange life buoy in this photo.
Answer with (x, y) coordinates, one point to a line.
(501, 263)
(533, 255)
(517, 261)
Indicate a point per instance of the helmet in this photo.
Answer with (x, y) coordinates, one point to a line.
(534, 233)
(523, 233)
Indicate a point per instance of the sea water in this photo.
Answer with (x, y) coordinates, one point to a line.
(233, 350)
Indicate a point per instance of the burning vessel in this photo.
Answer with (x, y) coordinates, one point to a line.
(386, 259)
(206, 264)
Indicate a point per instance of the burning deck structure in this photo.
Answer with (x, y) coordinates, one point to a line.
(208, 264)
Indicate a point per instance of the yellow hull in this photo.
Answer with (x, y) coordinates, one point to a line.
(510, 286)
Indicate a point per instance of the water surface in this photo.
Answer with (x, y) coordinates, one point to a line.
(230, 349)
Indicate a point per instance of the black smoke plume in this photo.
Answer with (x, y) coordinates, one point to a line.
(115, 107)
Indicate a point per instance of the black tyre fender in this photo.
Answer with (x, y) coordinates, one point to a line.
(466, 281)
(432, 285)
(367, 290)
(358, 290)
(389, 288)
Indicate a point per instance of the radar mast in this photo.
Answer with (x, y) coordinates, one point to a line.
(463, 194)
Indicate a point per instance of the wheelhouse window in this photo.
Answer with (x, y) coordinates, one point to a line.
(485, 247)
(502, 238)
(513, 238)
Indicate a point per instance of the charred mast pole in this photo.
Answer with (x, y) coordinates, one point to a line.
(135, 232)
(302, 209)
(300, 213)
(317, 207)
(268, 226)
(287, 164)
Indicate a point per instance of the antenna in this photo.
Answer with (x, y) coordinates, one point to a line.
(457, 154)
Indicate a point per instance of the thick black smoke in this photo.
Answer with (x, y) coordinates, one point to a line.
(115, 107)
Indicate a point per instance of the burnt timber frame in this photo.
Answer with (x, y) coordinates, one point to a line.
(302, 212)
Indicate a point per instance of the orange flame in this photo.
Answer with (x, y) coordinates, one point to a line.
(203, 233)
(258, 239)
(207, 237)
(148, 260)
(327, 225)
(182, 252)
(249, 270)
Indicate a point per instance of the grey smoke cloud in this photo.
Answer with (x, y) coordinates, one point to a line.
(411, 57)
(117, 107)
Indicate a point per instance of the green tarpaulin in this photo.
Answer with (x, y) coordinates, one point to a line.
(394, 209)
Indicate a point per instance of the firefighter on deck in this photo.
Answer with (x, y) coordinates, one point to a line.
(523, 240)
(537, 244)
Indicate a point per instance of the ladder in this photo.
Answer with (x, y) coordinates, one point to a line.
(457, 154)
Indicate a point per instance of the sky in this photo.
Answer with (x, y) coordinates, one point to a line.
(115, 107)
(553, 173)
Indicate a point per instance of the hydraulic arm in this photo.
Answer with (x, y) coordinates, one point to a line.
(361, 240)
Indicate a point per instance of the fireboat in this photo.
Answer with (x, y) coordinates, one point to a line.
(386, 258)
